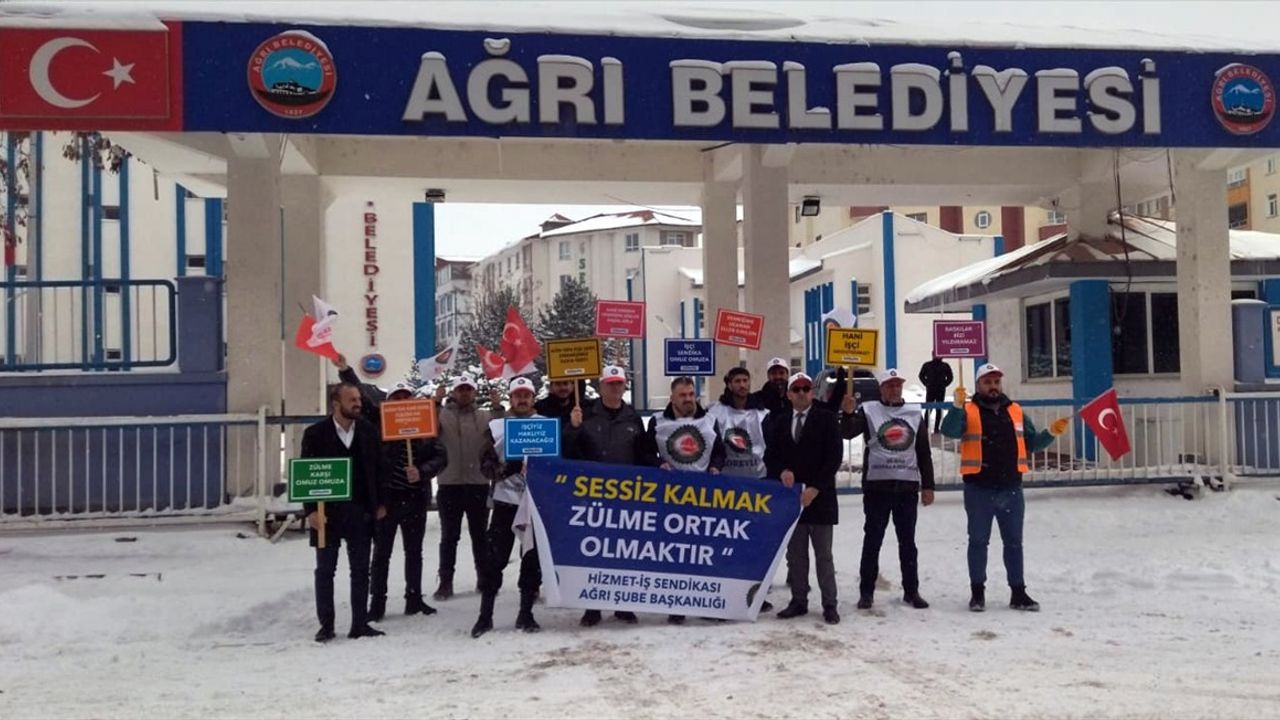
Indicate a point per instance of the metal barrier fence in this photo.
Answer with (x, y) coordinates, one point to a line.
(220, 467)
(88, 325)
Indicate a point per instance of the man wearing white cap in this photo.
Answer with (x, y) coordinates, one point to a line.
(897, 473)
(802, 445)
(464, 490)
(995, 441)
(773, 394)
(508, 477)
(609, 431)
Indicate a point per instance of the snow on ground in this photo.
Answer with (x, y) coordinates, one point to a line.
(1153, 607)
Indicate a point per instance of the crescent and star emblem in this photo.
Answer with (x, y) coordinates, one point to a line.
(1102, 420)
(43, 57)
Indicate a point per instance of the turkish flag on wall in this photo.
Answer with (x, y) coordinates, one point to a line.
(1103, 417)
(519, 346)
(91, 79)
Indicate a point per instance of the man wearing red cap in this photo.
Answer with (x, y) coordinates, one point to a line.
(995, 441)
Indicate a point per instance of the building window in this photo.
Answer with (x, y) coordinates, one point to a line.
(1048, 339)
(918, 217)
(982, 219)
(110, 212)
(517, 262)
(1273, 206)
(1271, 166)
(864, 299)
(565, 252)
(674, 237)
(632, 241)
(565, 280)
(1237, 177)
(1238, 215)
(1057, 217)
(1138, 346)
(1165, 356)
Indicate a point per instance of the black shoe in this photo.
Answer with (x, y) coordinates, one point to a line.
(590, 618)
(324, 635)
(413, 605)
(626, 617)
(830, 616)
(793, 610)
(865, 601)
(914, 600)
(766, 606)
(525, 622)
(675, 619)
(483, 625)
(377, 609)
(364, 631)
(978, 601)
(1020, 600)
(445, 590)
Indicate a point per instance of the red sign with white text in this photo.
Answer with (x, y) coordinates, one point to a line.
(91, 79)
(619, 319)
(738, 329)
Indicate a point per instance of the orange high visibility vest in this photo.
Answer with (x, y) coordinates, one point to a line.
(971, 441)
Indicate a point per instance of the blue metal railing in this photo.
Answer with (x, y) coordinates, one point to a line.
(133, 324)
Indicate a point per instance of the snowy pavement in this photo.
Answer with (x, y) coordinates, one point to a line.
(1153, 607)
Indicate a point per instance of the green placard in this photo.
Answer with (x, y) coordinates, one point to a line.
(317, 479)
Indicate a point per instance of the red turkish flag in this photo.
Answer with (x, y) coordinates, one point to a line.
(313, 339)
(492, 362)
(1103, 417)
(519, 346)
(59, 78)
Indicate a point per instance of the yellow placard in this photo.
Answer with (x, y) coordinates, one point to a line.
(852, 347)
(573, 359)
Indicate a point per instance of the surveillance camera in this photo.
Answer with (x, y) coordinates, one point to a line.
(434, 195)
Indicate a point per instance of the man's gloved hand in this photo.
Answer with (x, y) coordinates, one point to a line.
(961, 396)
(1059, 426)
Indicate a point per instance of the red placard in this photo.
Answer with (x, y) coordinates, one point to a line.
(739, 329)
(619, 319)
(59, 78)
(959, 339)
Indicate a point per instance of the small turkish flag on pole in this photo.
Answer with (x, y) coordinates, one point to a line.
(1103, 417)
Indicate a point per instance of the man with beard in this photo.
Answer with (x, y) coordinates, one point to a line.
(995, 441)
(559, 402)
(508, 477)
(772, 396)
(687, 439)
(897, 472)
(344, 434)
(609, 431)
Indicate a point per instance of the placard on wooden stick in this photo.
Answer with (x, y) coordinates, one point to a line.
(574, 359)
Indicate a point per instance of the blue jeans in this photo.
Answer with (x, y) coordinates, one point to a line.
(1007, 508)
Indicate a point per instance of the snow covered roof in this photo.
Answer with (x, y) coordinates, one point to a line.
(616, 221)
(1152, 251)
(846, 23)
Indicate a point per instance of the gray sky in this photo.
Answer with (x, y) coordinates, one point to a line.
(478, 229)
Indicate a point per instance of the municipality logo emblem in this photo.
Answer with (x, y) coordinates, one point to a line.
(1244, 100)
(686, 445)
(292, 75)
(896, 435)
(737, 441)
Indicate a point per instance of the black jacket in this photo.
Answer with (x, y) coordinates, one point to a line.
(851, 426)
(936, 374)
(767, 397)
(814, 461)
(368, 466)
(610, 436)
(551, 407)
(718, 453)
(429, 454)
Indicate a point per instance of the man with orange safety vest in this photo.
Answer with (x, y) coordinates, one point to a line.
(995, 441)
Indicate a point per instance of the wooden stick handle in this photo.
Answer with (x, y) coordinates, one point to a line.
(850, 380)
(576, 401)
(320, 523)
(408, 448)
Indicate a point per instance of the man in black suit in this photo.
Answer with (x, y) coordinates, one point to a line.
(803, 446)
(344, 434)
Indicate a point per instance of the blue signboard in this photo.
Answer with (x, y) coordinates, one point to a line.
(531, 436)
(431, 82)
(622, 537)
(689, 357)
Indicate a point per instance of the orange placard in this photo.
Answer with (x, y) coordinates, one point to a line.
(408, 419)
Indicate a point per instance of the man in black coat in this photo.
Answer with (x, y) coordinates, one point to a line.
(803, 446)
(935, 375)
(344, 434)
(559, 402)
(773, 394)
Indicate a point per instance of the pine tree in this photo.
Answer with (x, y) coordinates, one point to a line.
(572, 314)
(486, 325)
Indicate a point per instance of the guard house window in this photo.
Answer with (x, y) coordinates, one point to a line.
(1238, 215)
(632, 242)
(1139, 345)
(1273, 206)
(565, 252)
(1047, 326)
(1056, 217)
(864, 298)
(918, 217)
(982, 219)
(1237, 177)
(674, 237)
(110, 212)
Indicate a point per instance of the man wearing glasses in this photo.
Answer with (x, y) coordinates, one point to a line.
(803, 446)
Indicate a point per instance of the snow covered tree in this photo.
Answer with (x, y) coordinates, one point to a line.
(572, 314)
(486, 325)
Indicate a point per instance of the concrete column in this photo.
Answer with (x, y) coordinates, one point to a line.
(1204, 274)
(719, 261)
(764, 200)
(304, 199)
(253, 271)
(1091, 369)
(1095, 200)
